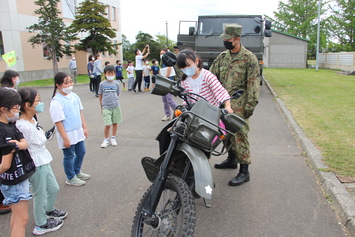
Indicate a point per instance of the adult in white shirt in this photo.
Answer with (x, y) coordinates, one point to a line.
(140, 56)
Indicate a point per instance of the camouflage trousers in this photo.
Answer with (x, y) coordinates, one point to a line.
(241, 145)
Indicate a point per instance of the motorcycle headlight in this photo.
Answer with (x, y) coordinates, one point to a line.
(203, 136)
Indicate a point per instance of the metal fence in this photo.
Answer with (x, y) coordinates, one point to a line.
(342, 61)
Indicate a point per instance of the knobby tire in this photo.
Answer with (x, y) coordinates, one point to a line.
(176, 211)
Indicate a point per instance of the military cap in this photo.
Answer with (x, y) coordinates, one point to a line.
(231, 30)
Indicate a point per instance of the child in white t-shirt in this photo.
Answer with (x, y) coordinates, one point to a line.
(44, 184)
(146, 76)
(130, 75)
(66, 113)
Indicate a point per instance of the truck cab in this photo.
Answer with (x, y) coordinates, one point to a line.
(203, 35)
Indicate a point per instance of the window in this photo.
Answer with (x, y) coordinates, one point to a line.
(69, 8)
(67, 48)
(107, 11)
(46, 51)
(113, 13)
(215, 26)
(116, 47)
(2, 51)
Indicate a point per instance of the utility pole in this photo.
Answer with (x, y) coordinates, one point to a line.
(167, 38)
(318, 32)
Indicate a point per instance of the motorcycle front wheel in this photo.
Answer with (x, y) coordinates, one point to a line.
(175, 212)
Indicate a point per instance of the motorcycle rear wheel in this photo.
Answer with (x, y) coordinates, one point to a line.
(175, 211)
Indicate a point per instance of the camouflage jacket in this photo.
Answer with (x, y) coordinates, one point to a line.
(239, 71)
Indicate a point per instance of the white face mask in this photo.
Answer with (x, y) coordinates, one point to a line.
(110, 78)
(67, 90)
(13, 119)
(147, 63)
(17, 82)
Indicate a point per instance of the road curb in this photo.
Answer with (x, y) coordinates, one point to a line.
(342, 201)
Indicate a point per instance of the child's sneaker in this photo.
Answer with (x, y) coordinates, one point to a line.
(166, 118)
(113, 142)
(83, 176)
(59, 214)
(50, 133)
(75, 181)
(51, 225)
(105, 143)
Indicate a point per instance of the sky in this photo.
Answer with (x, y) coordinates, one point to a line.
(153, 17)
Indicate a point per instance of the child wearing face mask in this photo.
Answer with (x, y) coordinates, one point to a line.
(200, 81)
(109, 91)
(146, 76)
(130, 74)
(16, 164)
(10, 79)
(44, 184)
(155, 71)
(66, 113)
(119, 76)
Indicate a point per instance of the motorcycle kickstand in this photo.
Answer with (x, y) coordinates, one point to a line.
(206, 204)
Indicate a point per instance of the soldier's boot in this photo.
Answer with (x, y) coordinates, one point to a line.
(229, 163)
(242, 177)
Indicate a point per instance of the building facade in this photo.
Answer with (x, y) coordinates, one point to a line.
(283, 50)
(32, 63)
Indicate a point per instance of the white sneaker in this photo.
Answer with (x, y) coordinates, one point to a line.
(113, 142)
(166, 118)
(83, 176)
(75, 181)
(105, 143)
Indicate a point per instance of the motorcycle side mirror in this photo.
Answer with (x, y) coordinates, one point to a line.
(169, 59)
(163, 86)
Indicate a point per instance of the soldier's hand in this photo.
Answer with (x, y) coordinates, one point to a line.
(248, 113)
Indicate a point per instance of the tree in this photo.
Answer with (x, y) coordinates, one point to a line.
(91, 18)
(342, 25)
(300, 18)
(51, 31)
(142, 39)
(162, 41)
(126, 48)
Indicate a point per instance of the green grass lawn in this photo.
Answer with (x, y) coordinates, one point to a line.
(322, 104)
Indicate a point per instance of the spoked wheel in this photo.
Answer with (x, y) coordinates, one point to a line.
(175, 212)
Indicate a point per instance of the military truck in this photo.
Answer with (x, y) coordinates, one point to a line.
(203, 35)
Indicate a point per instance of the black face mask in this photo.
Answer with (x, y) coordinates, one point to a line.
(228, 45)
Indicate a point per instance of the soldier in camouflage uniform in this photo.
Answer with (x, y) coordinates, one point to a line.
(238, 68)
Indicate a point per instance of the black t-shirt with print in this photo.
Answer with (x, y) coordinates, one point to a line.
(22, 165)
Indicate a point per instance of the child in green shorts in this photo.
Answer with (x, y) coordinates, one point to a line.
(109, 91)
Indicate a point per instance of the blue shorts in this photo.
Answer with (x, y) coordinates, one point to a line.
(15, 193)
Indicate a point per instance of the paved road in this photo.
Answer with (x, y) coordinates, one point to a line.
(283, 197)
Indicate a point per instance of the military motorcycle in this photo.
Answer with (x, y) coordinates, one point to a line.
(182, 172)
